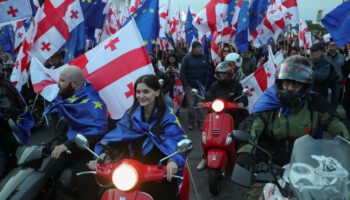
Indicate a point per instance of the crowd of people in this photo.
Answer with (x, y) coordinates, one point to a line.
(308, 89)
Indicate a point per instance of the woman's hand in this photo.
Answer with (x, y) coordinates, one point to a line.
(92, 164)
(171, 169)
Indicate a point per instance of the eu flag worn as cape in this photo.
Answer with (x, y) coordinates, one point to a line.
(170, 134)
(25, 120)
(85, 111)
(337, 23)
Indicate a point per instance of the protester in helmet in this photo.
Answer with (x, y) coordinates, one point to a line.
(228, 88)
(236, 59)
(284, 112)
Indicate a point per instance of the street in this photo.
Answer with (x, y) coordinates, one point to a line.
(199, 183)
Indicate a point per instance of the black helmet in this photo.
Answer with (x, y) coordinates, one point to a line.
(224, 67)
(298, 69)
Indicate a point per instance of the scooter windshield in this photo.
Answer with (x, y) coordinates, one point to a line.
(319, 169)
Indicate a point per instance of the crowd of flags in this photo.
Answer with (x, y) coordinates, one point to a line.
(34, 33)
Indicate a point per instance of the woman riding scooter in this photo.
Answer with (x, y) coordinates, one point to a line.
(148, 132)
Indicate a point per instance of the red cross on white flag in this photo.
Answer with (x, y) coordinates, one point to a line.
(112, 76)
(14, 10)
(55, 20)
(19, 31)
(262, 78)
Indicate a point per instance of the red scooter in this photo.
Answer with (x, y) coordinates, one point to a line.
(217, 143)
(128, 174)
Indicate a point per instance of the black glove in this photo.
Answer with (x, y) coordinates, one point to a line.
(246, 160)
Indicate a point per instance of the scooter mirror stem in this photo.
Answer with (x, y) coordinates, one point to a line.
(160, 165)
(261, 149)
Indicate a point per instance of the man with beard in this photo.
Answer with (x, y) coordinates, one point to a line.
(86, 113)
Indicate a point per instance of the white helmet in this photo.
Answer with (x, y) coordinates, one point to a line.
(234, 57)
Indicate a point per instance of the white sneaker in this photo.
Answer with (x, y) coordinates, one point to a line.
(202, 164)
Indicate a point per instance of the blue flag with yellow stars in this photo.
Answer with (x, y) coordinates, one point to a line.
(337, 23)
(93, 13)
(191, 31)
(147, 21)
(75, 44)
(7, 39)
(170, 134)
(24, 121)
(257, 12)
(241, 39)
(231, 10)
(85, 111)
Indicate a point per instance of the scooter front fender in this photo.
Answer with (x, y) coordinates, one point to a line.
(115, 194)
(22, 183)
(217, 158)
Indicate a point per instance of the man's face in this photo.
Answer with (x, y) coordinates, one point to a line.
(65, 86)
(245, 54)
(314, 55)
(197, 51)
(332, 50)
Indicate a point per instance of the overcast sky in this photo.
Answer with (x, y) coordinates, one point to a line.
(307, 8)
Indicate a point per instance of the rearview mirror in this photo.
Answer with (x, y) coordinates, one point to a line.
(13, 126)
(241, 136)
(246, 92)
(81, 141)
(184, 147)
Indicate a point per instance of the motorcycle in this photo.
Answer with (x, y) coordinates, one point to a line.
(127, 174)
(319, 169)
(27, 181)
(217, 143)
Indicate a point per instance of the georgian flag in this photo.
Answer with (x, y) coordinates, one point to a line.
(19, 32)
(124, 59)
(272, 25)
(292, 12)
(163, 19)
(215, 48)
(305, 37)
(211, 17)
(13, 10)
(262, 78)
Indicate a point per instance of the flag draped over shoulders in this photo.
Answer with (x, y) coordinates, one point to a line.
(24, 121)
(170, 134)
(85, 111)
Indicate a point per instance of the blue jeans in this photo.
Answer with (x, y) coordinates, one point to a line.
(193, 112)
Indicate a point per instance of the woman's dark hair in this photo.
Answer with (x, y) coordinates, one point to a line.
(167, 64)
(152, 82)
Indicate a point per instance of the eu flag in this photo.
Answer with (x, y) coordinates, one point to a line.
(93, 13)
(257, 12)
(7, 39)
(231, 11)
(191, 31)
(85, 111)
(241, 39)
(75, 44)
(337, 23)
(147, 21)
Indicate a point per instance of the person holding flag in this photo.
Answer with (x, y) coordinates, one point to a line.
(12, 106)
(86, 113)
(148, 132)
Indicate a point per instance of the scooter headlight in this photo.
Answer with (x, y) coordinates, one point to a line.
(218, 105)
(125, 177)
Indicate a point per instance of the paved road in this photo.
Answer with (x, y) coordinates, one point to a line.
(200, 178)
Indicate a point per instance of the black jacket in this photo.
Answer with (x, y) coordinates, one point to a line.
(322, 69)
(193, 69)
(228, 91)
(9, 104)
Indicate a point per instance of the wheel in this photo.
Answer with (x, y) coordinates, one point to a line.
(214, 181)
